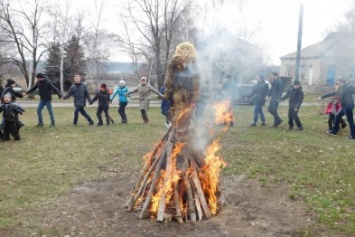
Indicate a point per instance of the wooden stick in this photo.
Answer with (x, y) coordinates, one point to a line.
(190, 198)
(177, 203)
(142, 187)
(198, 206)
(143, 213)
(155, 151)
(201, 195)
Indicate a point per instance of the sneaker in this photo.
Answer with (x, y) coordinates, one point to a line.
(300, 128)
(351, 137)
(52, 125)
(331, 133)
(263, 124)
(98, 124)
(343, 126)
(91, 123)
(252, 125)
(290, 127)
(113, 122)
(39, 125)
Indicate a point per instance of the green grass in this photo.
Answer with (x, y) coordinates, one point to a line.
(49, 162)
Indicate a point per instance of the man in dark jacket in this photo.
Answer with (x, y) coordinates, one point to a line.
(80, 93)
(345, 92)
(275, 93)
(45, 88)
(258, 95)
(295, 95)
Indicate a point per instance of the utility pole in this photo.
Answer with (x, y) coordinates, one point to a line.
(299, 43)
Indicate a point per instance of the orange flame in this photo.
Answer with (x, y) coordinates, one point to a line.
(167, 180)
(210, 175)
(223, 113)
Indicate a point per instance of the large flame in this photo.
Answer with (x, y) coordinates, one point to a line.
(210, 175)
(167, 180)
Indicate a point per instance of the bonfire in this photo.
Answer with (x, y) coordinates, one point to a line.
(180, 178)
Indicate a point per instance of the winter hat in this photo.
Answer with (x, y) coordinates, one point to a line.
(103, 85)
(143, 79)
(40, 75)
(295, 83)
(8, 95)
(122, 83)
(10, 82)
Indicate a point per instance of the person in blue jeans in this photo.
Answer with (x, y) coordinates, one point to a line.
(345, 91)
(45, 88)
(121, 91)
(80, 93)
(258, 95)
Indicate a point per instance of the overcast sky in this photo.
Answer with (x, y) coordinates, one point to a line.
(270, 24)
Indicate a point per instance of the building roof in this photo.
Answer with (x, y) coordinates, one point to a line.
(222, 41)
(336, 44)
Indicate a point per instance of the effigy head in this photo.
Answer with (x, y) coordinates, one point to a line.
(185, 51)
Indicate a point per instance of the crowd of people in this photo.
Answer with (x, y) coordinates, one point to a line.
(10, 109)
(341, 103)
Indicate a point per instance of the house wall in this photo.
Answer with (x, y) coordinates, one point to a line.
(308, 67)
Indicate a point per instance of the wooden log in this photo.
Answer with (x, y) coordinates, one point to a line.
(191, 202)
(198, 206)
(162, 201)
(200, 192)
(143, 213)
(177, 203)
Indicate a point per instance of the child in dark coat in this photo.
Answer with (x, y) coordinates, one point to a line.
(10, 112)
(295, 95)
(104, 99)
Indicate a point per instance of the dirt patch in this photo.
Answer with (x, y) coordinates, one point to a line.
(95, 209)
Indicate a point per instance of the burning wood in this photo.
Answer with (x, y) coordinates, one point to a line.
(180, 180)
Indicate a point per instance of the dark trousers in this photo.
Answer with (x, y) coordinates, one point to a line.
(348, 111)
(293, 116)
(99, 111)
(331, 121)
(273, 106)
(144, 116)
(11, 128)
(80, 109)
(122, 111)
(258, 111)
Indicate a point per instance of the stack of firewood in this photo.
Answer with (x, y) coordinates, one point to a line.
(178, 181)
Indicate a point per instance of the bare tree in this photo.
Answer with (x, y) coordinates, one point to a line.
(21, 25)
(99, 43)
(155, 21)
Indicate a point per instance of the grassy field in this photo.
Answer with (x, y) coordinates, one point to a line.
(48, 162)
